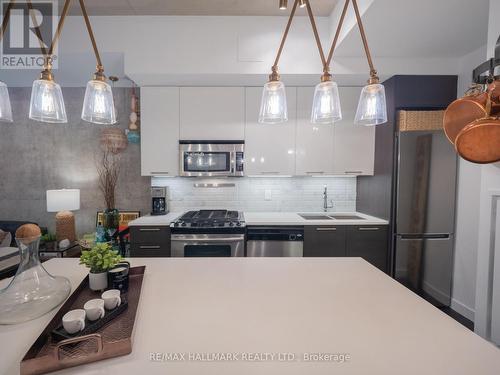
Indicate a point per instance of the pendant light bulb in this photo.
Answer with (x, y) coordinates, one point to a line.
(326, 102)
(273, 108)
(283, 4)
(47, 102)
(5, 108)
(372, 108)
(98, 104)
(302, 3)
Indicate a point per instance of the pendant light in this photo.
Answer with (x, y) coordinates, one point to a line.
(47, 103)
(372, 108)
(283, 4)
(326, 109)
(98, 104)
(5, 108)
(273, 108)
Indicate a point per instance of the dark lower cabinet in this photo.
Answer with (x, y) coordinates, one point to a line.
(324, 241)
(150, 241)
(369, 243)
(365, 241)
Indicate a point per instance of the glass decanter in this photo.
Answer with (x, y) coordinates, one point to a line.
(33, 291)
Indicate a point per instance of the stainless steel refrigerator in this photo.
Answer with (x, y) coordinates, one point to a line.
(424, 213)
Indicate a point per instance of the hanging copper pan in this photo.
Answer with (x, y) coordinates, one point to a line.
(479, 142)
(463, 111)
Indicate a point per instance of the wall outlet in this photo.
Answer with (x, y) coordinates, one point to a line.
(268, 195)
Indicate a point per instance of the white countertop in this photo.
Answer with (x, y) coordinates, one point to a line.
(272, 218)
(156, 220)
(293, 218)
(275, 305)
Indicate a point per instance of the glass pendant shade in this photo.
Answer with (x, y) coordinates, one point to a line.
(5, 109)
(372, 109)
(273, 108)
(98, 105)
(47, 103)
(326, 103)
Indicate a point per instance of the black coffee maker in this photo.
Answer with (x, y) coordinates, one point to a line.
(159, 200)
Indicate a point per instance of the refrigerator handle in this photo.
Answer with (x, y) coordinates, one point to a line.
(437, 236)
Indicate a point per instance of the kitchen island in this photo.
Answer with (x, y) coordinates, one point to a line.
(274, 316)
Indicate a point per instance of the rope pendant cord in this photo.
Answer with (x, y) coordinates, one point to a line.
(316, 35)
(59, 27)
(337, 34)
(274, 75)
(373, 72)
(6, 18)
(37, 30)
(91, 35)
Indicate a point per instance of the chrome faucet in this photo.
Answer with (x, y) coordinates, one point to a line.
(326, 206)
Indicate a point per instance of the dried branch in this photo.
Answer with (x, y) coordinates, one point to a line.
(108, 169)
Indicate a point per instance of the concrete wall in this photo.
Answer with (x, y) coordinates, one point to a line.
(35, 157)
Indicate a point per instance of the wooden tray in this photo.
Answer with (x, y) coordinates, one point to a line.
(112, 340)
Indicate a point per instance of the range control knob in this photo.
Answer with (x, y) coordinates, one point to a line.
(183, 224)
(231, 224)
(238, 224)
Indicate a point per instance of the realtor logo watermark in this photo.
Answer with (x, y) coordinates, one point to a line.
(20, 47)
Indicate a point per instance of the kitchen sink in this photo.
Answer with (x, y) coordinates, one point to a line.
(331, 217)
(347, 217)
(315, 217)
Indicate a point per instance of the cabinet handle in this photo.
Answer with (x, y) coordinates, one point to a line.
(353, 172)
(326, 229)
(159, 172)
(149, 247)
(320, 172)
(149, 229)
(374, 228)
(269, 173)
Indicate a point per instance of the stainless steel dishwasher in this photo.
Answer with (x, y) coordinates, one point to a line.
(275, 241)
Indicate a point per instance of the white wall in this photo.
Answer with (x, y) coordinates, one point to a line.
(467, 210)
(290, 194)
(488, 276)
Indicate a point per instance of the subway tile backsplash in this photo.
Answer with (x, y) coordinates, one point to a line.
(260, 194)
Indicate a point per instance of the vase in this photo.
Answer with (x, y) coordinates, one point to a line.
(32, 292)
(98, 280)
(111, 222)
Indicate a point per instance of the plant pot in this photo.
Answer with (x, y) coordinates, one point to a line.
(98, 281)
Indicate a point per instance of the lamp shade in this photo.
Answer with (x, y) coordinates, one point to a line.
(47, 103)
(372, 109)
(326, 103)
(63, 200)
(273, 109)
(98, 105)
(5, 109)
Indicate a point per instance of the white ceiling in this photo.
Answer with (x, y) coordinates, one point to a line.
(421, 29)
(196, 7)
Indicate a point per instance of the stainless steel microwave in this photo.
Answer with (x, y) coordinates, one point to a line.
(211, 158)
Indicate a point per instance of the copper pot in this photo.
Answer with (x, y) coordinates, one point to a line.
(463, 111)
(479, 142)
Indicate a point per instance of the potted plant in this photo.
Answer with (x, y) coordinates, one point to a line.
(100, 258)
(108, 170)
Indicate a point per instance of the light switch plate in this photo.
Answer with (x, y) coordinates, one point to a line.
(267, 195)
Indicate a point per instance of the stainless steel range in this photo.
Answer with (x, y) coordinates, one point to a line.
(208, 233)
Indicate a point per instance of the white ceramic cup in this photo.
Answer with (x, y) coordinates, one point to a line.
(94, 309)
(111, 298)
(74, 321)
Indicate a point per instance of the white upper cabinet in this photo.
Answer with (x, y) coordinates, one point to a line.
(159, 131)
(212, 113)
(354, 145)
(269, 148)
(315, 144)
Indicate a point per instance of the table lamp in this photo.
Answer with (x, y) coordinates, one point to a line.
(63, 202)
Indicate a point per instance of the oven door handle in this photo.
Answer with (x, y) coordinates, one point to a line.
(204, 240)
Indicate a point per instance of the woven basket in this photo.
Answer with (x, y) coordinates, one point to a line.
(114, 140)
(420, 120)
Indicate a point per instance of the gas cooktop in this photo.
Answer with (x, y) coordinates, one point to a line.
(210, 219)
